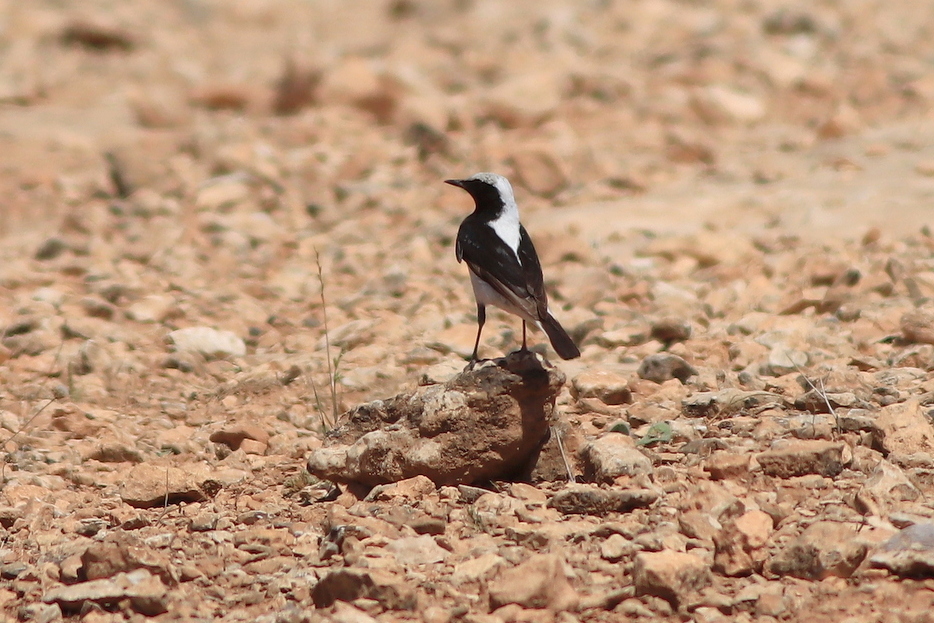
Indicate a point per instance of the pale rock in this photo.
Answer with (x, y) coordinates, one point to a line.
(611, 456)
(525, 100)
(222, 193)
(718, 104)
(356, 81)
(349, 335)
(790, 458)
(823, 550)
(910, 553)
(784, 360)
(529, 494)
(122, 551)
(614, 547)
(441, 372)
(477, 568)
(740, 546)
(886, 487)
(147, 485)
(411, 490)
(539, 582)
(151, 308)
(698, 525)
(346, 613)
(539, 171)
(611, 388)
(233, 434)
(53, 297)
(251, 446)
(725, 465)
(212, 343)
(902, 429)
(417, 550)
(146, 593)
(257, 226)
(674, 576)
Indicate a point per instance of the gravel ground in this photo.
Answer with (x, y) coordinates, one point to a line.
(224, 224)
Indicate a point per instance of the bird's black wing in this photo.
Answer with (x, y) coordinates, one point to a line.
(532, 271)
(494, 262)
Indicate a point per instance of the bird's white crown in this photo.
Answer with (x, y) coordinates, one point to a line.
(502, 185)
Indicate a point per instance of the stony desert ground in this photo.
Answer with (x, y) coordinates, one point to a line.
(223, 224)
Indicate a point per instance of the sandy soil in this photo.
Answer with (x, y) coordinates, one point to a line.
(759, 173)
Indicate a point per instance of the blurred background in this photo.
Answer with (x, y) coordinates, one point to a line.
(657, 114)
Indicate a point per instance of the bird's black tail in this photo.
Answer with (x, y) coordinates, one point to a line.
(560, 340)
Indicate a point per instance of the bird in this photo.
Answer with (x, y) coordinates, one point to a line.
(504, 268)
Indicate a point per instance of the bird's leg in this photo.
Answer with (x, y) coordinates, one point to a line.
(481, 319)
(524, 347)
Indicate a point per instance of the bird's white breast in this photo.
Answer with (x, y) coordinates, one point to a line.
(506, 225)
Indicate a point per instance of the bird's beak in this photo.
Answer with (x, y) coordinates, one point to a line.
(458, 183)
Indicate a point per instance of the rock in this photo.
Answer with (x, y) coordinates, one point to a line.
(902, 428)
(222, 193)
(151, 308)
(349, 584)
(669, 330)
(120, 552)
(724, 465)
(485, 424)
(346, 613)
(614, 547)
(611, 456)
(609, 387)
(525, 100)
(797, 458)
(698, 525)
(741, 545)
(823, 550)
(918, 325)
(146, 593)
(663, 367)
(355, 81)
(885, 489)
(147, 485)
(411, 490)
(821, 401)
(477, 568)
(417, 550)
(579, 499)
(98, 35)
(51, 249)
(211, 343)
(539, 582)
(727, 401)
(234, 434)
(539, 171)
(717, 104)
(784, 360)
(910, 553)
(296, 87)
(674, 576)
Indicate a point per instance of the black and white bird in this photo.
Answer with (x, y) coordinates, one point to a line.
(504, 268)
